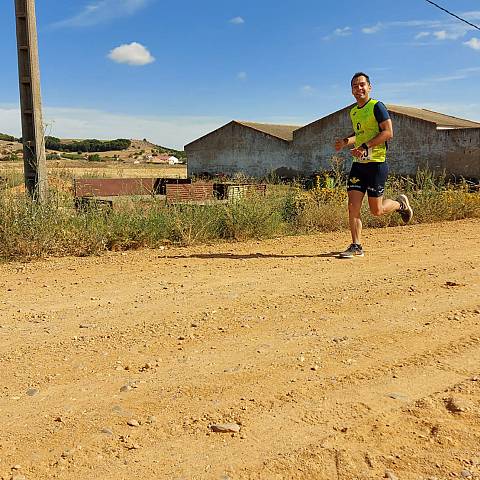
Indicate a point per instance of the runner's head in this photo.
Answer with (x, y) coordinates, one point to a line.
(358, 75)
(361, 88)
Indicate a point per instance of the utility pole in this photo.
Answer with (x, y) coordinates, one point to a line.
(33, 139)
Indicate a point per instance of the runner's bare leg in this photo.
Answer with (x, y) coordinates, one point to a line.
(355, 199)
(380, 206)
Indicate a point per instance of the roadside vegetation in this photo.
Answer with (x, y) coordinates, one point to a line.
(28, 230)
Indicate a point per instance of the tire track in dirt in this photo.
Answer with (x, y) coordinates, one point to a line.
(251, 330)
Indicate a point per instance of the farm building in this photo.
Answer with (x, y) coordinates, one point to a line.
(255, 149)
(422, 139)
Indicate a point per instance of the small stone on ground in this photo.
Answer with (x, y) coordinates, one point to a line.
(390, 475)
(225, 427)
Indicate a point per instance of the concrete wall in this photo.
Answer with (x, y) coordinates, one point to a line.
(461, 151)
(416, 144)
(312, 146)
(237, 149)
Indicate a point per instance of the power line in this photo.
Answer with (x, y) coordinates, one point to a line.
(453, 15)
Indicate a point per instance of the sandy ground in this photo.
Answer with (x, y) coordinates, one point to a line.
(332, 369)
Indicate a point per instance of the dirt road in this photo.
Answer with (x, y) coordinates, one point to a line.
(117, 367)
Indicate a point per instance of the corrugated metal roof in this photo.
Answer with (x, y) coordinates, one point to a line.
(440, 119)
(284, 132)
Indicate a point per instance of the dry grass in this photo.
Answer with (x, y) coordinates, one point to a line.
(28, 230)
(69, 169)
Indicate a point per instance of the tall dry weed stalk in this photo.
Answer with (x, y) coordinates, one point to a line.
(29, 230)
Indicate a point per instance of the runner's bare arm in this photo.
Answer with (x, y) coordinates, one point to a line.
(344, 142)
(385, 134)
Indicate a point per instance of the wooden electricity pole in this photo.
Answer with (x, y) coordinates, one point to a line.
(33, 138)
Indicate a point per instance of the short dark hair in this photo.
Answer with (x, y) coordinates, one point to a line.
(360, 74)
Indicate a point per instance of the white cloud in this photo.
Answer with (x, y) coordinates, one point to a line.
(339, 32)
(450, 30)
(416, 23)
(10, 122)
(132, 54)
(103, 11)
(470, 70)
(420, 35)
(393, 89)
(473, 43)
(475, 15)
(242, 76)
(237, 20)
(373, 29)
(307, 90)
(451, 35)
(172, 132)
(440, 35)
(437, 29)
(342, 32)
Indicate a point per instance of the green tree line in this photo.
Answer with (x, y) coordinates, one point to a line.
(7, 138)
(88, 145)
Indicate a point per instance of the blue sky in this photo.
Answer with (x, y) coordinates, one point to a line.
(172, 71)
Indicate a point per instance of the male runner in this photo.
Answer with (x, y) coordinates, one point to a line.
(372, 130)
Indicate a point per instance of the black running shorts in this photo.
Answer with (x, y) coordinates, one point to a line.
(368, 177)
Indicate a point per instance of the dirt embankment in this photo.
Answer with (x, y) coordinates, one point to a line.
(116, 367)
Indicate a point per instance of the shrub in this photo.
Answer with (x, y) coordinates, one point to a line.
(11, 157)
(253, 217)
(29, 230)
(317, 209)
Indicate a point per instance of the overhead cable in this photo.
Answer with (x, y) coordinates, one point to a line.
(453, 15)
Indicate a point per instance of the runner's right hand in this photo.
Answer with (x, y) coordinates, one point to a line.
(339, 144)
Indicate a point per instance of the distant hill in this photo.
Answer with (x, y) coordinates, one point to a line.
(149, 146)
(103, 150)
(7, 138)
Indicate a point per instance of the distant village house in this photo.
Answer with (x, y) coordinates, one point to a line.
(162, 158)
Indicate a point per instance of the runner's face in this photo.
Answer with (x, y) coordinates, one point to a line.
(361, 90)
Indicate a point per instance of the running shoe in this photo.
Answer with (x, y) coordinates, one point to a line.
(405, 211)
(354, 250)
